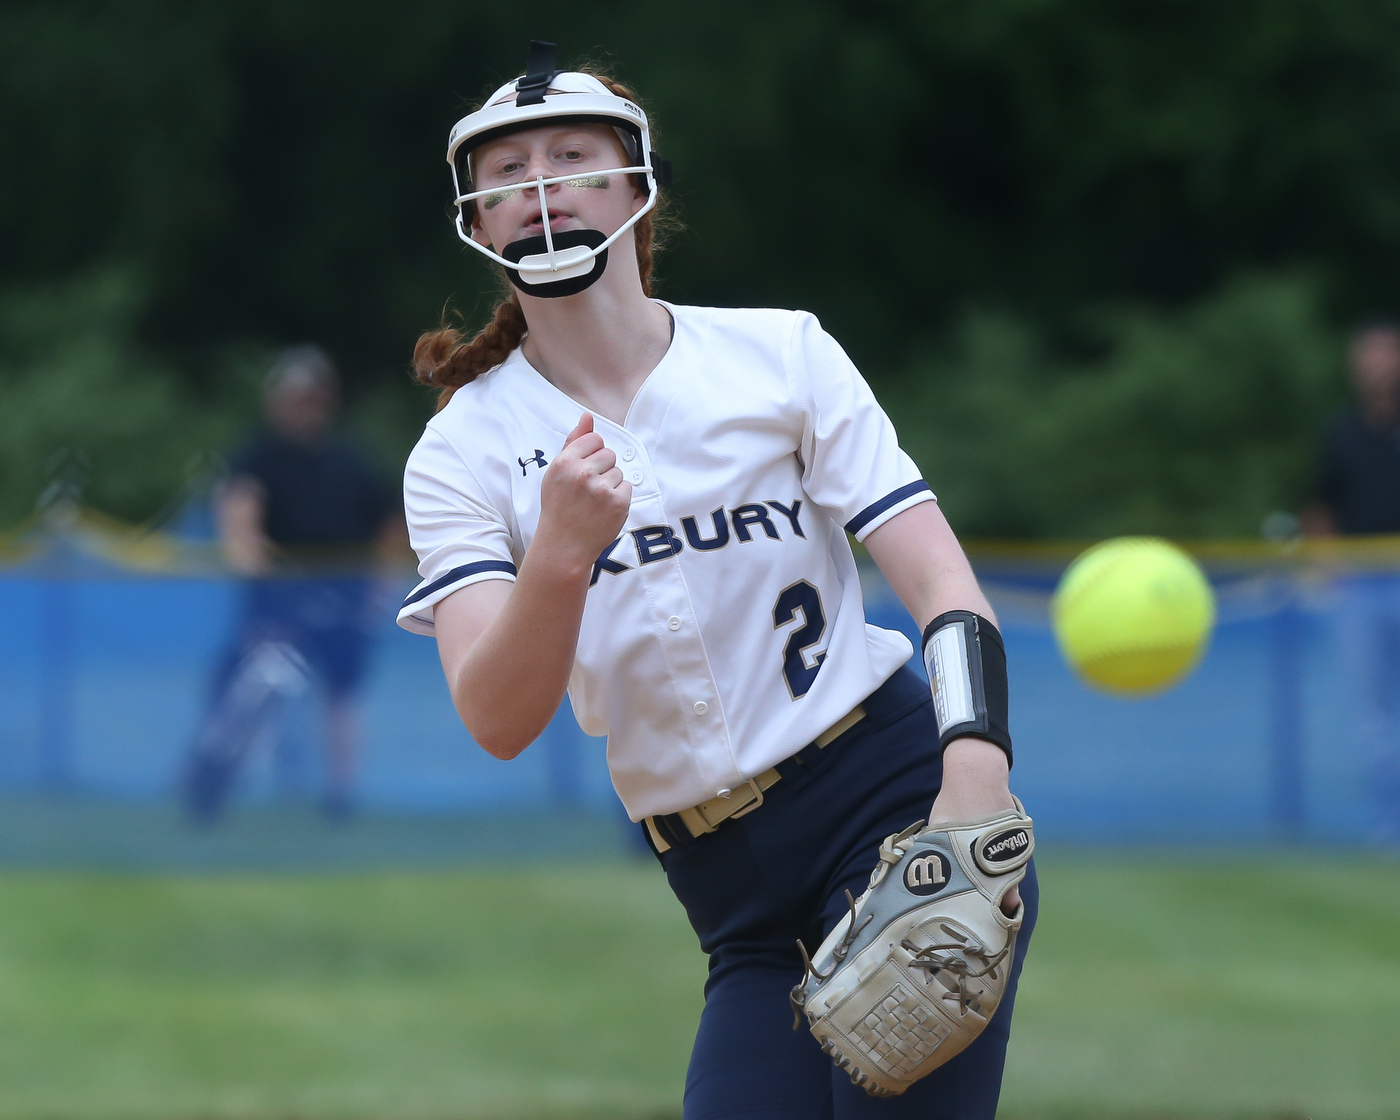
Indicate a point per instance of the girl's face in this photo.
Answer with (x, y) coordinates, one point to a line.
(601, 202)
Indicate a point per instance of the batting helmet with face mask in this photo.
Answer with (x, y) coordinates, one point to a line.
(551, 264)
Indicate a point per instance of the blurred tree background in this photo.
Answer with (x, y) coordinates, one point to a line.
(1097, 256)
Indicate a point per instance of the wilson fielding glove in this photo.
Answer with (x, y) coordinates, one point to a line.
(914, 972)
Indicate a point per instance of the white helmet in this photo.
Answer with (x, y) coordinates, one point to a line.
(551, 265)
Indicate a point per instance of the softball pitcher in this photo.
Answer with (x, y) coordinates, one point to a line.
(646, 506)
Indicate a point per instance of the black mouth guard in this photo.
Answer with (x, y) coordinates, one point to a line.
(544, 287)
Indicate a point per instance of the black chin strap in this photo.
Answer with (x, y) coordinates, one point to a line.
(539, 72)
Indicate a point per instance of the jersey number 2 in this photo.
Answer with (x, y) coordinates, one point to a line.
(804, 598)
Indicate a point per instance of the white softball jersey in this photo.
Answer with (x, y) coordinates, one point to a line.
(724, 627)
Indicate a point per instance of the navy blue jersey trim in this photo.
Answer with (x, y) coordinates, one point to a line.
(460, 573)
(894, 497)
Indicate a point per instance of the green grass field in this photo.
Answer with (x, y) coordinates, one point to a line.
(1267, 986)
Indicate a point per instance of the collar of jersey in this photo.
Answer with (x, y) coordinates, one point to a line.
(652, 385)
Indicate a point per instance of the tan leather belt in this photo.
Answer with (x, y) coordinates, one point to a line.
(709, 815)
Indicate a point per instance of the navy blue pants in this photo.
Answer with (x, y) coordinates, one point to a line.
(327, 619)
(757, 884)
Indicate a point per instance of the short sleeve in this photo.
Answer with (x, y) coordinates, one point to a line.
(459, 537)
(853, 465)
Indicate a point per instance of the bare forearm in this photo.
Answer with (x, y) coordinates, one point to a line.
(923, 562)
(925, 565)
(508, 650)
(241, 513)
(953, 588)
(507, 686)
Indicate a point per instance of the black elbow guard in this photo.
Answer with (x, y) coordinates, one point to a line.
(966, 662)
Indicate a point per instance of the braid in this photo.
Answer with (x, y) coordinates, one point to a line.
(441, 357)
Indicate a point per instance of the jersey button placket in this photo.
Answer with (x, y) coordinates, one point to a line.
(667, 585)
(629, 453)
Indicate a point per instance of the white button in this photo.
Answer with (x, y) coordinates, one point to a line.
(701, 707)
(635, 478)
(629, 454)
(674, 622)
(724, 793)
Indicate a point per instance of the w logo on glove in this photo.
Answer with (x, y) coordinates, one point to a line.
(906, 980)
(926, 874)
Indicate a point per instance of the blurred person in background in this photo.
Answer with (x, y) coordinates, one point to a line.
(1359, 494)
(1359, 483)
(302, 514)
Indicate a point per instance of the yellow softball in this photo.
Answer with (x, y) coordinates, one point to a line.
(1133, 615)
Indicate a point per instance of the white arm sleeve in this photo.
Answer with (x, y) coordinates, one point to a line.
(459, 537)
(853, 465)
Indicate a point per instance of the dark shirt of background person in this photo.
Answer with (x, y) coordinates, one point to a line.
(1359, 478)
(318, 495)
(296, 489)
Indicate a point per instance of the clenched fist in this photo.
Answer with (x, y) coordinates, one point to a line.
(583, 497)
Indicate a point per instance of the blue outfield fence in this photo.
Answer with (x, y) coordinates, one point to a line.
(1284, 732)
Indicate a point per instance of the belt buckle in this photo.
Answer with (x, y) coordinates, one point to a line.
(747, 809)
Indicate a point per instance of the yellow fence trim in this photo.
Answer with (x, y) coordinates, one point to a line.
(144, 549)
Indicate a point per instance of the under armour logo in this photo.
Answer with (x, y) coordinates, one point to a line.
(926, 872)
(537, 458)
